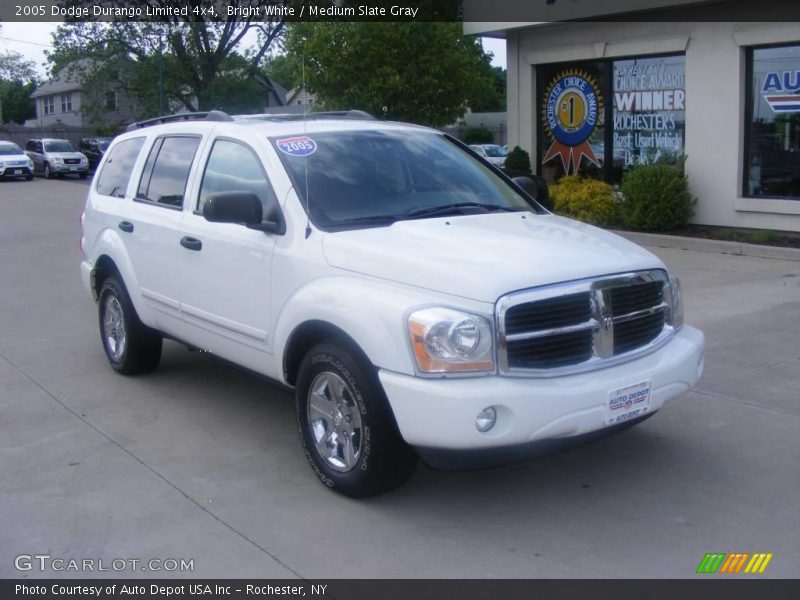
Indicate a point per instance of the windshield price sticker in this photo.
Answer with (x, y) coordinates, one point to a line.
(297, 146)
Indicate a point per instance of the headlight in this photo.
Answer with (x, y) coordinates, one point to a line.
(57, 160)
(446, 340)
(673, 294)
(30, 164)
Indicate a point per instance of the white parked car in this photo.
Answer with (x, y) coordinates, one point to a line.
(494, 153)
(13, 162)
(416, 300)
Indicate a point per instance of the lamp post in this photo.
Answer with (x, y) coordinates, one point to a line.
(160, 33)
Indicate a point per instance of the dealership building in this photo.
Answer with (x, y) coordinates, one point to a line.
(598, 97)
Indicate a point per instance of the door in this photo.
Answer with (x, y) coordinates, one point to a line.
(35, 150)
(152, 229)
(225, 274)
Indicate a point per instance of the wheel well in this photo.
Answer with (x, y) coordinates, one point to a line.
(305, 337)
(103, 268)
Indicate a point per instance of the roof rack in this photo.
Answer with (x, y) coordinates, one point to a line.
(310, 116)
(212, 115)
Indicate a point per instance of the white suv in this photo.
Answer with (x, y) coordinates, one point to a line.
(417, 301)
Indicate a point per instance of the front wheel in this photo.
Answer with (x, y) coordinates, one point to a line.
(47, 173)
(131, 347)
(346, 427)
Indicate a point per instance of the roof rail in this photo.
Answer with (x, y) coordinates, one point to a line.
(212, 115)
(311, 116)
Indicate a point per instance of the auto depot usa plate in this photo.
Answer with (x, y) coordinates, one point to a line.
(628, 403)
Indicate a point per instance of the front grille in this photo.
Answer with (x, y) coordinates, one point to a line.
(582, 324)
(72, 161)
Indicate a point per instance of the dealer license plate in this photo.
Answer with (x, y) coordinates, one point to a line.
(628, 403)
(17, 172)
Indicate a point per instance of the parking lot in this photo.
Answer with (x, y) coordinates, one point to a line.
(201, 461)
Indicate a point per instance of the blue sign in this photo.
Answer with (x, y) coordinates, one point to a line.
(297, 146)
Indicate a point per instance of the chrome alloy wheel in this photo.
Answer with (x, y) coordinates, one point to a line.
(334, 422)
(114, 327)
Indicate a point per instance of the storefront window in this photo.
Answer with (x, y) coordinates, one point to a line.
(649, 111)
(601, 118)
(772, 153)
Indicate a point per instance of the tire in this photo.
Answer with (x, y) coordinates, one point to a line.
(47, 173)
(28, 177)
(130, 346)
(337, 385)
(83, 175)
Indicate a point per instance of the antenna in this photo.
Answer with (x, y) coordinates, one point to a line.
(305, 161)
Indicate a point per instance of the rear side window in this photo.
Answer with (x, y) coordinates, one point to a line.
(233, 167)
(114, 177)
(167, 170)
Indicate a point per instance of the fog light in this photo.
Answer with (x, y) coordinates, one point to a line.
(486, 419)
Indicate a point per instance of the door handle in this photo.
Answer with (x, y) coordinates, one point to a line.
(191, 243)
(126, 226)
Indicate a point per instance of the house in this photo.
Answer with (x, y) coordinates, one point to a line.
(280, 100)
(66, 100)
(594, 89)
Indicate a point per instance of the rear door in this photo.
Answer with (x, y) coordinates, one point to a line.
(152, 229)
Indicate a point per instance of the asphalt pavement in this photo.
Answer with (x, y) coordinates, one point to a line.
(200, 462)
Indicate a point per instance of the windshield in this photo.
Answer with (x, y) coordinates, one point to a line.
(495, 151)
(374, 178)
(9, 149)
(59, 146)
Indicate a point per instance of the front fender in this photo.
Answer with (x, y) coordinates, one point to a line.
(372, 312)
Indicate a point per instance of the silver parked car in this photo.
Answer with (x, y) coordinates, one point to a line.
(13, 162)
(494, 153)
(56, 157)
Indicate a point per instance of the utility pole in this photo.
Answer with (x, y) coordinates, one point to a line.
(161, 110)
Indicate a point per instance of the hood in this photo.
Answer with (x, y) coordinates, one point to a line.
(78, 155)
(483, 257)
(14, 158)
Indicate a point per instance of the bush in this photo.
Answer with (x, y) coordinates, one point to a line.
(589, 200)
(518, 162)
(656, 198)
(479, 135)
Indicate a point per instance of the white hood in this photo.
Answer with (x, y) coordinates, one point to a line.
(482, 257)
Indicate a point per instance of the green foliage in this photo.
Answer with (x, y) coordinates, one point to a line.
(17, 83)
(281, 69)
(589, 200)
(764, 236)
(202, 63)
(479, 135)
(656, 198)
(492, 98)
(419, 72)
(722, 233)
(518, 162)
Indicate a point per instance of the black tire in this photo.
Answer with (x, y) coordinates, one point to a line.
(28, 177)
(46, 171)
(82, 175)
(140, 348)
(384, 461)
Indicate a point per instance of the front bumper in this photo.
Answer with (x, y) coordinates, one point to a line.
(14, 171)
(67, 169)
(438, 415)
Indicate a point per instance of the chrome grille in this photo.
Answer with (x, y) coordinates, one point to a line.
(582, 325)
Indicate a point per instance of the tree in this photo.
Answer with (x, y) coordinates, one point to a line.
(420, 72)
(17, 83)
(494, 97)
(192, 58)
(281, 70)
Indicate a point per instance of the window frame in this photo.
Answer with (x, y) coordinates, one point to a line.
(148, 169)
(49, 105)
(222, 138)
(66, 102)
(747, 138)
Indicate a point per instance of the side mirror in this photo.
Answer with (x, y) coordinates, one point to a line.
(242, 208)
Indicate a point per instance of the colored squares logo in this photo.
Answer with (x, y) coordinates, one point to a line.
(734, 563)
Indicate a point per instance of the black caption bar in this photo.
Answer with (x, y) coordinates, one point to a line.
(371, 589)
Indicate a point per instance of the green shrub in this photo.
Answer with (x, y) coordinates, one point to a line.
(763, 236)
(518, 162)
(589, 200)
(479, 135)
(656, 198)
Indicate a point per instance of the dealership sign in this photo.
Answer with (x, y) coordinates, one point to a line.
(781, 90)
(572, 106)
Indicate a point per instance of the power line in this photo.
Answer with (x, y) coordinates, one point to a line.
(2, 37)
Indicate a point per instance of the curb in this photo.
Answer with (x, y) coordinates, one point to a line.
(660, 240)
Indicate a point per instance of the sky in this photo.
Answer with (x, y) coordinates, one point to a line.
(32, 39)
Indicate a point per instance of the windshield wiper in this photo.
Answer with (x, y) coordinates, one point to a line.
(387, 219)
(450, 208)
